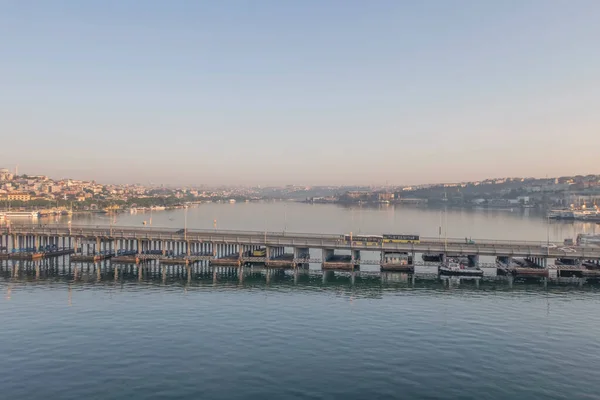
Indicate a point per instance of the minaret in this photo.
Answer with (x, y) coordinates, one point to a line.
(16, 170)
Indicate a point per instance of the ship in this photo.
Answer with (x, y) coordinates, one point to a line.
(561, 214)
(20, 214)
(584, 239)
(587, 215)
(453, 267)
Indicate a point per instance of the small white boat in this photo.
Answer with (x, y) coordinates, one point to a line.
(453, 267)
(20, 214)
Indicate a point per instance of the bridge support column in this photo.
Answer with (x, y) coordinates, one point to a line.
(301, 252)
(473, 260)
(327, 254)
(355, 256)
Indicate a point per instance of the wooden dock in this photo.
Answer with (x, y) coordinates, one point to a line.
(175, 261)
(389, 267)
(90, 258)
(285, 261)
(26, 256)
(529, 272)
(127, 259)
(228, 261)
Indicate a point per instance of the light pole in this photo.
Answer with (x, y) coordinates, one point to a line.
(185, 222)
(284, 218)
(548, 234)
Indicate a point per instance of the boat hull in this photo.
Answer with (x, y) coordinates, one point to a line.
(461, 272)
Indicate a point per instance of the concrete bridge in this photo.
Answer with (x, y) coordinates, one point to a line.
(192, 245)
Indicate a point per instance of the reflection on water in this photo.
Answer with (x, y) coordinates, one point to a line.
(123, 332)
(358, 283)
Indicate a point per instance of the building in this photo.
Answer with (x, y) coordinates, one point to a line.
(386, 196)
(5, 174)
(18, 196)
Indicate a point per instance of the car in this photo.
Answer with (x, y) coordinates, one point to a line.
(549, 245)
(181, 231)
(567, 250)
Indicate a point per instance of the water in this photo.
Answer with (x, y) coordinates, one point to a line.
(73, 338)
(308, 336)
(298, 217)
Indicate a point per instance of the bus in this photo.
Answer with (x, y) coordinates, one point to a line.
(259, 253)
(364, 240)
(401, 239)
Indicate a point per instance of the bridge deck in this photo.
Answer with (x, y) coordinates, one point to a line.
(308, 240)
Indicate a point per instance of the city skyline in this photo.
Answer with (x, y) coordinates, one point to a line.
(15, 171)
(271, 93)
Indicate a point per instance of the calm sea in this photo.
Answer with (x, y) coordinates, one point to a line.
(282, 336)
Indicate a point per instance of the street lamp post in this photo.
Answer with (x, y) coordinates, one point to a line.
(284, 218)
(185, 222)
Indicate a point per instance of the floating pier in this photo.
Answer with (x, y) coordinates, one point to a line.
(284, 261)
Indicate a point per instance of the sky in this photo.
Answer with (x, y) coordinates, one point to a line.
(313, 92)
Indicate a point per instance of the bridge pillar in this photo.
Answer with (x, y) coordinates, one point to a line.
(328, 254)
(473, 260)
(301, 252)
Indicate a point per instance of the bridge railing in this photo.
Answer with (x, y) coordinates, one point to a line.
(288, 238)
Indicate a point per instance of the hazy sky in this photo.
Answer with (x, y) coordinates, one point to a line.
(304, 92)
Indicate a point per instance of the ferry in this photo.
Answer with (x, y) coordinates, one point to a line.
(588, 239)
(452, 267)
(587, 215)
(20, 214)
(561, 214)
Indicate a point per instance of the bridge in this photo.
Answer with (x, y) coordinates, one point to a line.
(192, 245)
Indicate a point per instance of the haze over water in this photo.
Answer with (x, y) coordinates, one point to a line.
(318, 218)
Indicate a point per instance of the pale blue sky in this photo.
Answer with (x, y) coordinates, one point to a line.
(304, 92)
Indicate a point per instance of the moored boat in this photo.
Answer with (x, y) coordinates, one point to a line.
(452, 267)
(431, 257)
